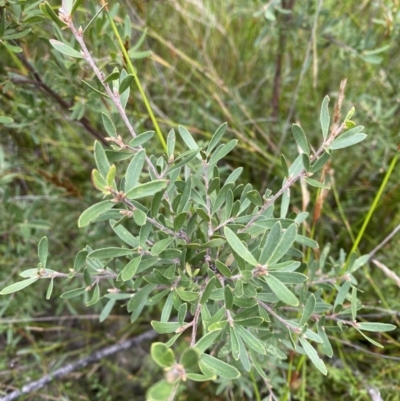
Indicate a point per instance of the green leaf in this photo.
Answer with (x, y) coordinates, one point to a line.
(95, 296)
(18, 286)
(342, 294)
(313, 355)
(238, 247)
(218, 134)
(6, 120)
(49, 13)
(222, 151)
(321, 161)
(375, 327)
(162, 355)
(243, 355)
(111, 176)
(73, 293)
(219, 367)
(112, 77)
(281, 291)
(324, 117)
(223, 269)
(289, 277)
(50, 289)
(271, 242)
(370, 339)
(141, 139)
(234, 343)
(200, 378)
(187, 296)
(138, 301)
(254, 197)
(350, 114)
(190, 358)
(207, 291)
(134, 170)
(101, 159)
(188, 139)
(43, 251)
(308, 309)
(130, 268)
(171, 141)
(284, 166)
(326, 345)
(228, 296)
(124, 234)
(107, 310)
(182, 313)
(207, 340)
(94, 89)
(161, 391)
(341, 143)
(284, 244)
(99, 181)
(140, 217)
(109, 253)
(249, 321)
(300, 138)
(148, 189)
(109, 125)
(362, 260)
(354, 304)
(125, 83)
(159, 246)
(184, 160)
(251, 341)
(65, 49)
(165, 327)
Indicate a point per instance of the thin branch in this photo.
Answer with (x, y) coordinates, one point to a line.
(384, 242)
(302, 173)
(114, 95)
(80, 364)
(65, 105)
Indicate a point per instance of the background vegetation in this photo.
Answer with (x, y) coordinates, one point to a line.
(257, 65)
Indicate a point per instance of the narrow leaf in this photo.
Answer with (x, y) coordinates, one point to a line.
(165, 327)
(219, 367)
(324, 117)
(93, 212)
(65, 49)
(218, 134)
(341, 143)
(109, 253)
(376, 327)
(238, 246)
(300, 138)
(148, 189)
(18, 286)
(188, 139)
(130, 268)
(134, 170)
(313, 355)
(43, 251)
(281, 291)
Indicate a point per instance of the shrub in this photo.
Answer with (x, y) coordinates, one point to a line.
(214, 257)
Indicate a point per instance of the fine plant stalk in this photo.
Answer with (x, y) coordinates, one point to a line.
(133, 71)
(372, 208)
